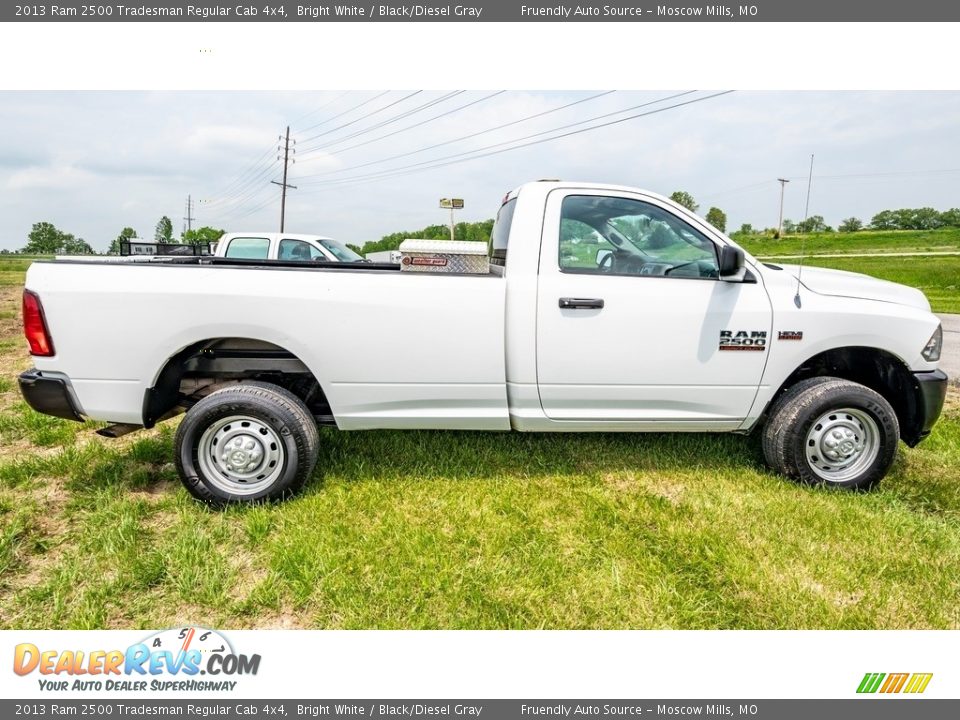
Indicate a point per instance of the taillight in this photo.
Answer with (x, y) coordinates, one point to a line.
(35, 325)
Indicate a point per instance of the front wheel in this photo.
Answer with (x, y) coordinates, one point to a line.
(828, 431)
(248, 442)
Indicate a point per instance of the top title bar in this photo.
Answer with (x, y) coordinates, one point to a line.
(485, 11)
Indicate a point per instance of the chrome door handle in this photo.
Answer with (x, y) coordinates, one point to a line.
(567, 303)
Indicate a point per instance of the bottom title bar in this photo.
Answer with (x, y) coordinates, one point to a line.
(920, 709)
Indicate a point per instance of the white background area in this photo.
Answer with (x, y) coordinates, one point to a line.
(540, 664)
(541, 55)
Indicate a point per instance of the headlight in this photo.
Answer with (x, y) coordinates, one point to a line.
(931, 351)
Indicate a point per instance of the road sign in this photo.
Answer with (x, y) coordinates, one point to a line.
(451, 203)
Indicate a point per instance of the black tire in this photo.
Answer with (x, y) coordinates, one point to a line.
(276, 424)
(795, 447)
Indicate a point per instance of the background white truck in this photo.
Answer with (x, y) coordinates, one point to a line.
(606, 309)
(289, 247)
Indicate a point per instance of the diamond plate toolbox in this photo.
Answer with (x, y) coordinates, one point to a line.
(444, 256)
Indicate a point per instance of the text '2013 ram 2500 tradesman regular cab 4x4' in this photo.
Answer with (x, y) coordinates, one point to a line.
(605, 309)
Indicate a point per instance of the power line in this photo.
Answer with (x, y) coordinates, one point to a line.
(232, 212)
(388, 121)
(363, 117)
(416, 125)
(844, 176)
(242, 189)
(898, 173)
(418, 166)
(742, 188)
(322, 107)
(509, 142)
(252, 167)
(239, 211)
(468, 137)
(254, 187)
(345, 112)
(256, 208)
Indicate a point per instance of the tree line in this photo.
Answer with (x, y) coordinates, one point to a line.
(47, 239)
(475, 231)
(904, 219)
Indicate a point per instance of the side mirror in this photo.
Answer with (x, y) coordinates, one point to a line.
(731, 262)
(602, 255)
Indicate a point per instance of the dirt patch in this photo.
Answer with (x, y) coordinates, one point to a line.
(49, 528)
(277, 621)
(247, 572)
(655, 485)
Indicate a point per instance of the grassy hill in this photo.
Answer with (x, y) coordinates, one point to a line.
(944, 239)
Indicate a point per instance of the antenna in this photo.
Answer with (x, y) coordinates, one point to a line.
(803, 244)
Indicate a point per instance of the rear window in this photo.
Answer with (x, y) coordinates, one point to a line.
(501, 233)
(248, 248)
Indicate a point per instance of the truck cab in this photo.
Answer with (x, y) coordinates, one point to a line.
(290, 247)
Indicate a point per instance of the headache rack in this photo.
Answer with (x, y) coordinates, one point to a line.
(136, 248)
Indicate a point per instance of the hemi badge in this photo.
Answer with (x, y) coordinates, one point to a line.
(790, 335)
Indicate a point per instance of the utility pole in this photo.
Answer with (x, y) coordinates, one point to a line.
(284, 185)
(783, 184)
(189, 218)
(806, 208)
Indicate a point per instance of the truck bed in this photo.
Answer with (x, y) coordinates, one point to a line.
(388, 350)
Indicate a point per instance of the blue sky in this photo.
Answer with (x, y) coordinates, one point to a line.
(92, 163)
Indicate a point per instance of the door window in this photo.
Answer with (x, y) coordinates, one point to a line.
(248, 248)
(298, 250)
(621, 236)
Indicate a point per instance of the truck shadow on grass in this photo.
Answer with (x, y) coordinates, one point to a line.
(464, 455)
(920, 478)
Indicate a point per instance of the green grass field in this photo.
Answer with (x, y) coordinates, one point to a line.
(467, 530)
(937, 276)
(944, 239)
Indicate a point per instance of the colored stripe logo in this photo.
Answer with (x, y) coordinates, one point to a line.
(913, 683)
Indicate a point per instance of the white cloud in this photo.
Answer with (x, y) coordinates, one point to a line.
(60, 177)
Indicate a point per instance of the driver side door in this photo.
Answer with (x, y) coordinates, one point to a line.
(631, 313)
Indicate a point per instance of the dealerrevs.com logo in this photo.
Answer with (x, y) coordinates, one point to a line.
(891, 683)
(180, 659)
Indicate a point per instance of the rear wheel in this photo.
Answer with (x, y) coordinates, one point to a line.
(249, 442)
(828, 431)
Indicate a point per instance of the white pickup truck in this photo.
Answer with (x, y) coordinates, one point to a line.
(605, 309)
(284, 246)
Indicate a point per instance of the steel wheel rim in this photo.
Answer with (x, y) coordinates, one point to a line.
(841, 444)
(240, 454)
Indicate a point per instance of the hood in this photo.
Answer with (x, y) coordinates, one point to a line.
(841, 283)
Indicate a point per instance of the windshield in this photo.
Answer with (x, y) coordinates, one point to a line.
(340, 251)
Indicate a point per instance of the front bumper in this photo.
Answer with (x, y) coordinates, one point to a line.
(49, 394)
(931, 392)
